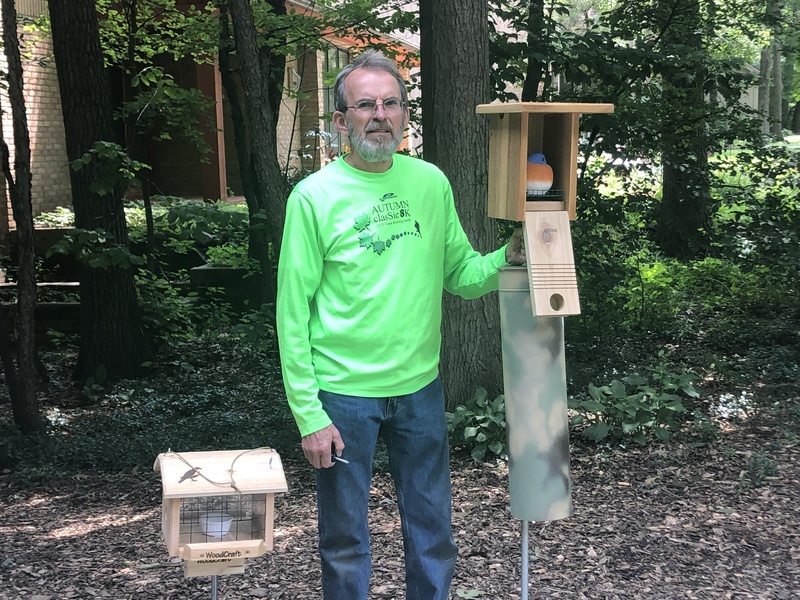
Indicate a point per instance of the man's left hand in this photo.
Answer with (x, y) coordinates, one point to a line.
(515, 250)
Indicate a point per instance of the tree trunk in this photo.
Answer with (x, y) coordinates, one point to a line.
(536, 70)
(683, 226)
(455, 78)
(111, 335)
(258, 238)
(261, 73)
(763, 90)
(776, 90)
(22, 385)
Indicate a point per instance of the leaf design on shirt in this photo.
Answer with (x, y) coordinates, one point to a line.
(365, 240)
(378, 247)
(361, 222)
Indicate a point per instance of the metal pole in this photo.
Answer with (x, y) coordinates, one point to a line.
(213, 587)
(525, 553)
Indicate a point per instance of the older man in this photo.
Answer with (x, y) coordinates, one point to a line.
(370, 243)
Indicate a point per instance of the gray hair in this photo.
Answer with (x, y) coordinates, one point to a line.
(369, 59)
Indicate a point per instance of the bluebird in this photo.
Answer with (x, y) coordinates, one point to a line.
(540, 175)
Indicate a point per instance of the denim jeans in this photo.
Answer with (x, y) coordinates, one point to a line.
(415, 432)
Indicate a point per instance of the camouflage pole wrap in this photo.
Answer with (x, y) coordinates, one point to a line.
(534, 377)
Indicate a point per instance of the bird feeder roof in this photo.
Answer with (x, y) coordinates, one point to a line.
(544, 107)
(223, 473)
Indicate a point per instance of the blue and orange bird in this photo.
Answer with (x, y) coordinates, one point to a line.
(540, 175)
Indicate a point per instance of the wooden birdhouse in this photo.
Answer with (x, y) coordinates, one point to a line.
(218, 508)
(533, 179)
(518, 130)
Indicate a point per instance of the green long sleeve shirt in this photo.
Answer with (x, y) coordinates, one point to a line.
(364, 259)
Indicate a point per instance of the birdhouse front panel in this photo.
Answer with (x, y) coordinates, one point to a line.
(551, 266)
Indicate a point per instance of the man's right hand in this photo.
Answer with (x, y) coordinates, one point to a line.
(320, 445)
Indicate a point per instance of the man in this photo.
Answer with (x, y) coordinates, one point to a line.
(370, 242)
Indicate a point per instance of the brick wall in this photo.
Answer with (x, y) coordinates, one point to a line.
(49, 170)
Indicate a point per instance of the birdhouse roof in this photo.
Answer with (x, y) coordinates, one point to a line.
(544, 107)
(223, 473)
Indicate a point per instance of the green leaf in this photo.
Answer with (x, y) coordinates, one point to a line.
(634, 380)
(478, 452)
(592, 407)
(618, 389)
(661, 433)
(597, 432)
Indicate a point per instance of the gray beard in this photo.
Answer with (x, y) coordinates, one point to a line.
(374, 151)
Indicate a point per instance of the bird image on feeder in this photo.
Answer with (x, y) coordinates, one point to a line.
(218, 508)
(533, 161)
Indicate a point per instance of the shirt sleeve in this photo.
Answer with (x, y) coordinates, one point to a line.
(299, 274)
(467, 273)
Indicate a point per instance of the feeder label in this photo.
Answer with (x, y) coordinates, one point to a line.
(214, 560)
(222, 554)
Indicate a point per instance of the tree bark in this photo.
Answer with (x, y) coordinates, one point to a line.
(22, 384)
(111, 335)
(261, 73)
(455, 78)
(776, 90)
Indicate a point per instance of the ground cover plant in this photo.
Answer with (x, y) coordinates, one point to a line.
(691, 367)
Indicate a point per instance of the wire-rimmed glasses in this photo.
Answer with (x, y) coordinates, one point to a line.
(391, 106)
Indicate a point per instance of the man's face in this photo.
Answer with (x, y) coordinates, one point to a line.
(374, 135)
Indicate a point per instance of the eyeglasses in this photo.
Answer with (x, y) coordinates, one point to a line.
(391, 106)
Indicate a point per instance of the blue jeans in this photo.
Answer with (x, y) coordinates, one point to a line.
(415, 432)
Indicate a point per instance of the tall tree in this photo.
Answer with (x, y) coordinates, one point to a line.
(683, 225)
(20, 373)
(261, 71)
(764, 67)
(111, 335)
(775, 19)
(454, 56)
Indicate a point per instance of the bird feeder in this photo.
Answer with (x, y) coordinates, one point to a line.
(218, 508)
(523, 139)
(517, 132)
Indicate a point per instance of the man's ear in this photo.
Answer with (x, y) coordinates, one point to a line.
(338, 120)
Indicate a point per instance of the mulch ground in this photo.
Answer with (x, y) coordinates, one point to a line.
(713, 519)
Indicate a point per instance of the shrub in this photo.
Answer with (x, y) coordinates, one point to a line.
(479, 425)
(635, 407)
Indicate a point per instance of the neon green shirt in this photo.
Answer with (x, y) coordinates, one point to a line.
(364, 260)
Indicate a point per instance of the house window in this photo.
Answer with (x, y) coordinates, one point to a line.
(333, 61)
